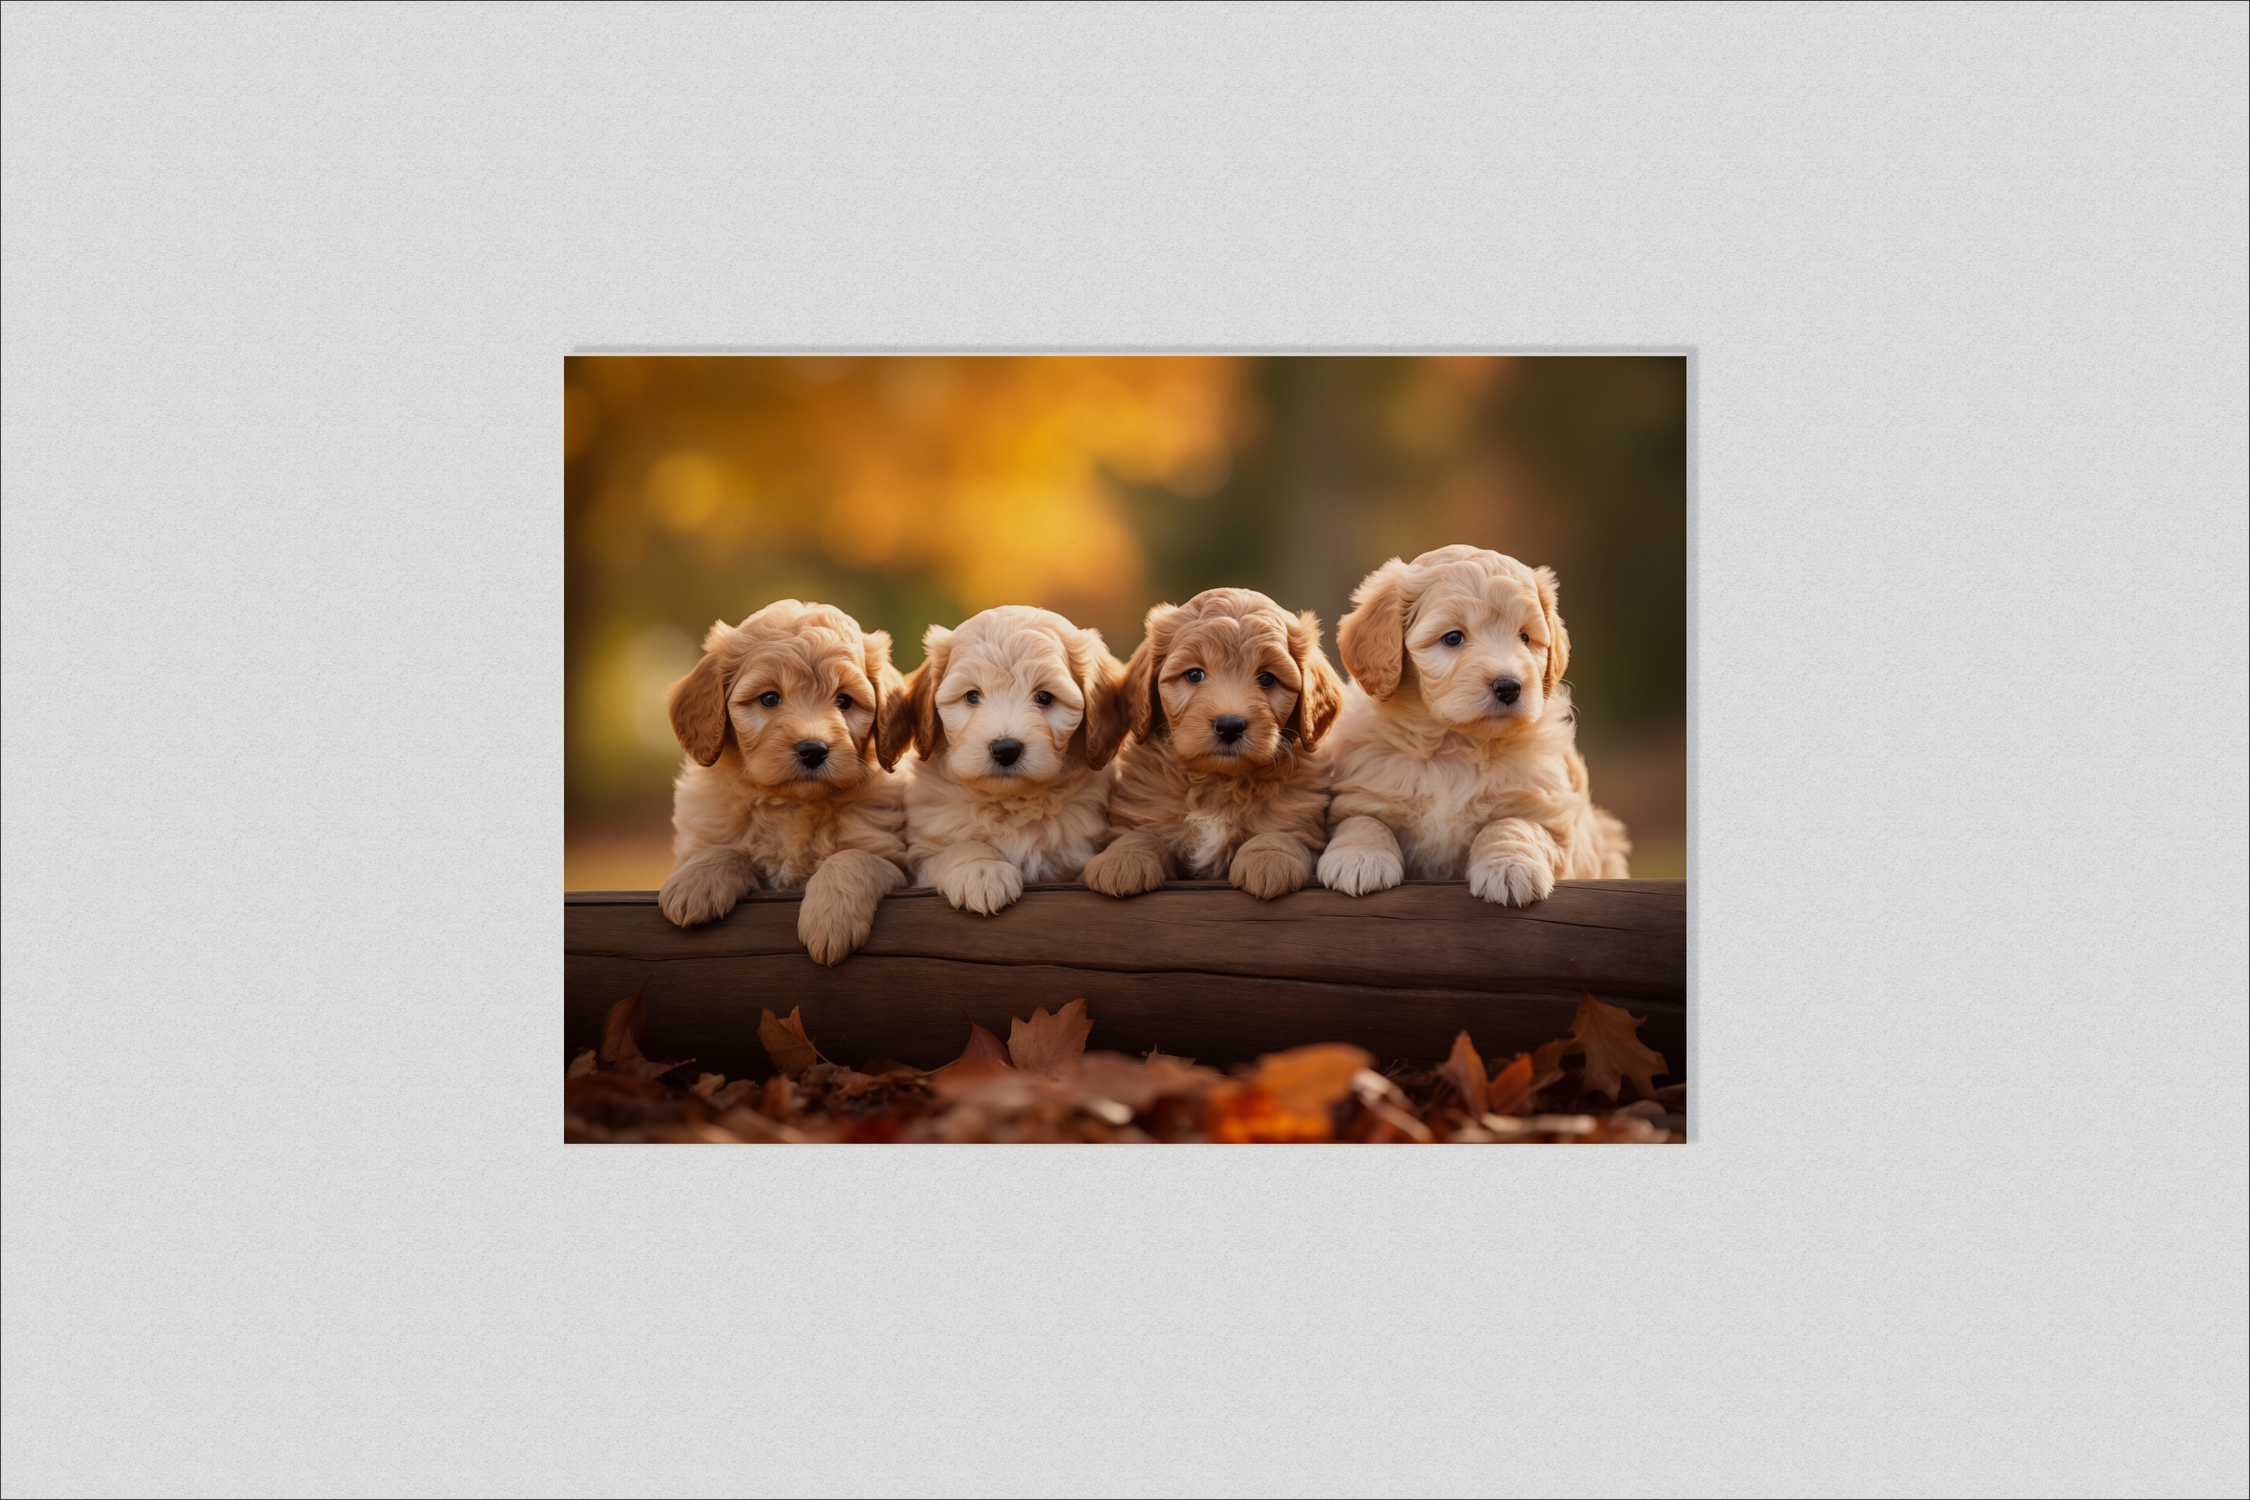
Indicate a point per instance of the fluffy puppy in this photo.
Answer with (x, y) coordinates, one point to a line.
(1014, 719)
(1456, 752)
(1228, 696)
(785, 783)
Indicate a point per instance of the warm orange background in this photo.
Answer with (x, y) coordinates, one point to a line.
(912, 490)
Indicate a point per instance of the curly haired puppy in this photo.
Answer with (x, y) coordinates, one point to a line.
(1014, 718)
(1456, 751)
(1228, 695)
(785, 784)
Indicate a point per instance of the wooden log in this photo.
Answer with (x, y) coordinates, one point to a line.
(1196, 969)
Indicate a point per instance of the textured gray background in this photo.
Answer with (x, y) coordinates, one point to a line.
(285, 297)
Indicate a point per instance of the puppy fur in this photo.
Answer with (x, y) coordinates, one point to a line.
(786, 783)
(1015, 719)
(1436, 774)
(1247, 799)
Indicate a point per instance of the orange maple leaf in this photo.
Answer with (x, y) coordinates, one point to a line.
(786, 1043)
(1048, 1044)
(1465, 1071)
(1605, 1033)
(1510, 1089)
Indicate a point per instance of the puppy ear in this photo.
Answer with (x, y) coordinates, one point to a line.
(1144, 708)
(892, 733)
(698, 701)
(1558, 639)
(913, 713)
(1101, 678)
(1321, 695)
(1372, 638)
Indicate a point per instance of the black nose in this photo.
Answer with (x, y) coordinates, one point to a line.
(811, 753)
(1004, 752)
(1230, 727)
(1506, 689)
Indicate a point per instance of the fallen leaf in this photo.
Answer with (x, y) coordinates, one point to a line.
(580, 1065)
(1049, 1044)
(1605, 1033)
(983, 1049)
(1546, 1062)
(1132, 1082)
(786, 1043)
(1465, 1071)
(778, 1100)
(1154, 1057)
(706, 1084)
(621, 1028)
(733, 1094)
(1510, 1090)
(1308, 1079)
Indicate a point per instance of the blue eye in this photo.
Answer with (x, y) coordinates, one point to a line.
(1451, 638)
(770, 700)
(1195, 674)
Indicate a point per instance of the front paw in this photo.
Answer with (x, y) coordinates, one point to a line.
(1360, 872)
(1512, 882)
(1124, 871)
(700, 892)
(832, 926)
(1266, 873)
(983, 886)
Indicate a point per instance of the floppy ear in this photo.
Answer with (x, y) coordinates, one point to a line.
(1144, 709)
(912, 715)
(698, 701)
(1101, 678)
(1558, 639)
(891, 735)
(1372, 638)
(1321, 695)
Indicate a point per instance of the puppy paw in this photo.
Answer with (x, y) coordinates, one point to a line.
(1266, 873)
(700, 892)
(983, 886)
(1123, 872)
(1359, 872)
(832, 926)
(1506, 882)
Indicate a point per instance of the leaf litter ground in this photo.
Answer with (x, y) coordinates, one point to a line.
(1042, 1085)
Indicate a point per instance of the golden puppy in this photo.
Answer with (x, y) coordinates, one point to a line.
(1228, 695)
(1014, 718)
(1456, 751)
(786, 779)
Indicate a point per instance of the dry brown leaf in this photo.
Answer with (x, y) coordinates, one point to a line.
(580, 1065)
(1047, 1045)
(983, 1048)
(706, 1084)
(1509, 1091)
(733, 1094)
(778, 1099)
(621, 1028)
(1546, 1062)
(1605, 1033)
(786, 1043)
(1132, 1082)
(1306, 1080)
(1465, 1071)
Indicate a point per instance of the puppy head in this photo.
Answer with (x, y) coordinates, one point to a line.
(1478, 632)
(1234, 680)
(1015, 696)
(796, 693)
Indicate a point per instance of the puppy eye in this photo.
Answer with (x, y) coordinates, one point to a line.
(1451, 638)
(1524, 636)
(770, 700)
(1042, 699)
(1265, 679)
(972, 696)
(844, 702)
(1195, 674)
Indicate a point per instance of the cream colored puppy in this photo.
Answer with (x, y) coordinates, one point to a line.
(1456, 752)
(1015, 719)
(786, 780)
(1228, 695)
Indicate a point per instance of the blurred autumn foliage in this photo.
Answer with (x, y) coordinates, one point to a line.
(912, 490)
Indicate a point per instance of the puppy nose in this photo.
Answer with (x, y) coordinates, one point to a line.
(1506, 689)
(1230, 727)
(1004, 752)
(811, 753)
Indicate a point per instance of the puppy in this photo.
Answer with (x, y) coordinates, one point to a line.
(786, 782)
(1228, 696)
(1014, 718)
(1456, 750)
